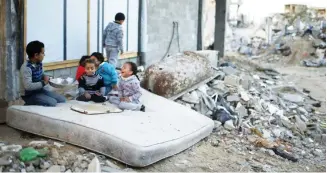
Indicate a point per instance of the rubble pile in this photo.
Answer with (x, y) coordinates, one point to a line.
(55, 158)
(284, 38)
(296, 50)
(279, 119)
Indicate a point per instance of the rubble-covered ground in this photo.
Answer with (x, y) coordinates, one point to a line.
(266, 119)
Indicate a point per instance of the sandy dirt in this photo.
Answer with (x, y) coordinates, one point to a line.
(225, 157)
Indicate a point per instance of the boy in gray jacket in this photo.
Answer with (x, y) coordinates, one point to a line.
(113, 39)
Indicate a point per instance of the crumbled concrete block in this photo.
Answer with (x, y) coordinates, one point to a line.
(191, 97)
(241, 110)
(244, 96)
(233, 98)
(270, 82)
(229, 125)
(229, 70)
(295, 98)
(232, 80)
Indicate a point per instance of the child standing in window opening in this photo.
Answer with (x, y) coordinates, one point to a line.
(113, 39)
(34, 79)
(107, 71)
(91, 85)
(81, 68)
(129, 90)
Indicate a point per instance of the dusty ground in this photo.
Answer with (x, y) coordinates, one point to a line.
(223, 158)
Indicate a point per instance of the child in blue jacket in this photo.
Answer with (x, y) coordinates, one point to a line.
(107, 71)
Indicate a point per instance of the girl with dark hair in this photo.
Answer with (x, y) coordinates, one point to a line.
(129, 90)
(81, 67)
(106, 70)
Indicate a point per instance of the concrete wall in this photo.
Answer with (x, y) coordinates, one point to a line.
(10, 19)
(160, 17)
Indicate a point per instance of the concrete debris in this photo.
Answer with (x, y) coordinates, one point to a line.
(229, 70)
(295, 98)
(94, 166)
(57, 160)
(13, 148)
(4, 162)
(217, 124)
(191, 97)
(244, 96)
(54, 168)
(233, 98)
(261, 105)
(232, 80)
(218, 85)
(111, 164)
(229, 125)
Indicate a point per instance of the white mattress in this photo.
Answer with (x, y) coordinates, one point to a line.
(135, 138)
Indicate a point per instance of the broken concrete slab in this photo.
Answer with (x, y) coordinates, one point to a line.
(256, 77)
(219, 85)
(302, 110)
(244, 96)
(246, 82)
(300, 124)
(295, 98)
(54, 168)
(94, 166)
(229, 125)
(241, 110)
(270, 82)
(233, 98)
(232, 80)
(192, 97)
(229, 70)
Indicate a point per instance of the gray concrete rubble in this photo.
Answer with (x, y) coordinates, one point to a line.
(286, 38)
(57, 159)
(260, 105)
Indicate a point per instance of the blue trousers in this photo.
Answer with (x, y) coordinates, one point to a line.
(44, 98)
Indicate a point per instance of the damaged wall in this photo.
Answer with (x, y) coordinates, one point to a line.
(160, 18)
(10, 20)
(9, 48)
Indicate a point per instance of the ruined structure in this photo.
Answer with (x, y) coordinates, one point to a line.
(10, 39)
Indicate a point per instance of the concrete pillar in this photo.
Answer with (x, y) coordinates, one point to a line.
(220, 26)
(200, 26)
(142, 32)
(10, 52)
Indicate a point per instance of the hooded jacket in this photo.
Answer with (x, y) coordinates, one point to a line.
(113, 35)
(130, 87)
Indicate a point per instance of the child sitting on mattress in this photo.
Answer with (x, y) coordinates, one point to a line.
(81, 67)
(106, 70)
(34, 79)
(91, 86)
(129, 90)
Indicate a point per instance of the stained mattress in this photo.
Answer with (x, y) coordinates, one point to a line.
(135, 138)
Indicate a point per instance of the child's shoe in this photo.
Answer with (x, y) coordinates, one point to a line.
(142, 108)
